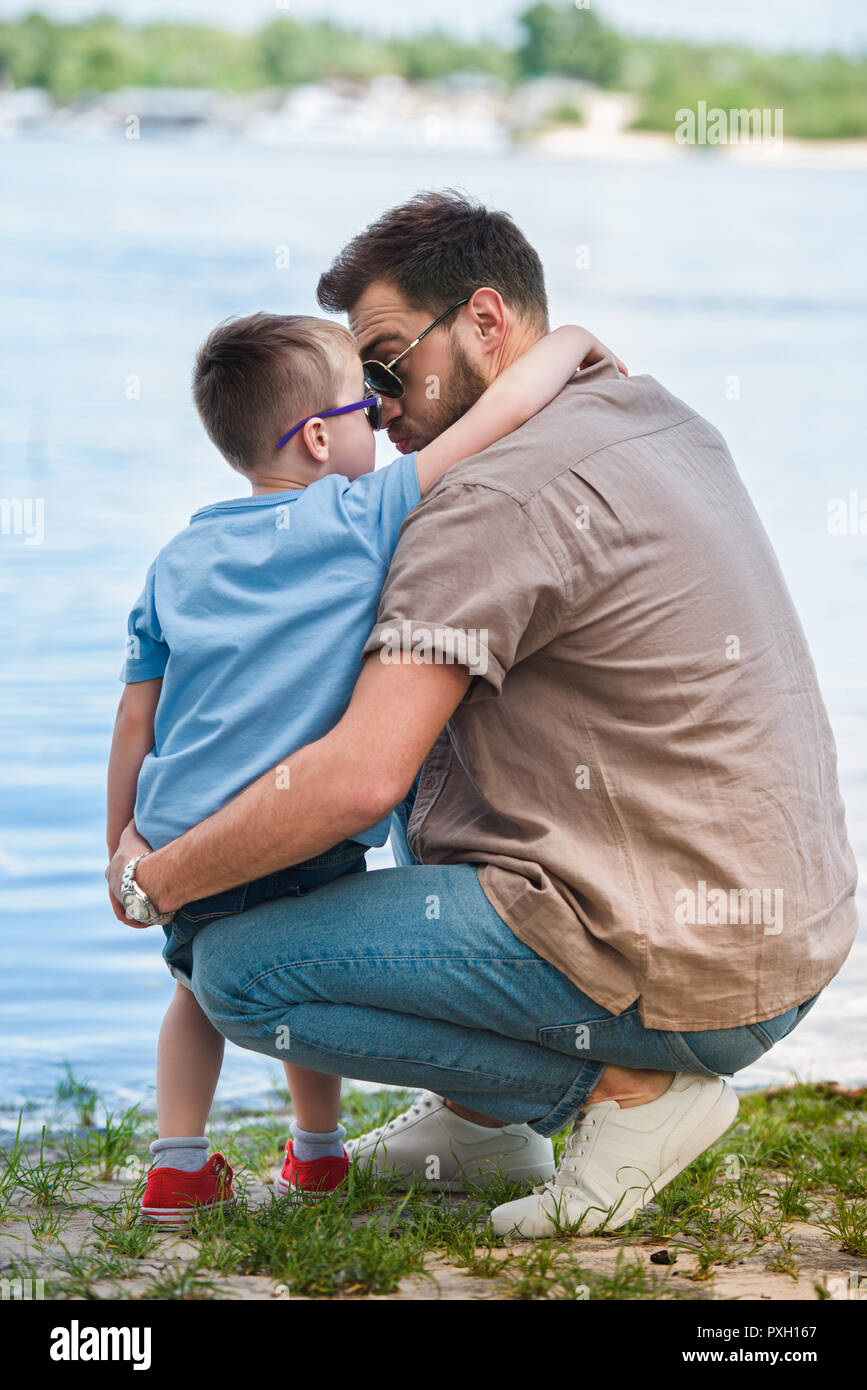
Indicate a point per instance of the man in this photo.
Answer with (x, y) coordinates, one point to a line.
(635, 875)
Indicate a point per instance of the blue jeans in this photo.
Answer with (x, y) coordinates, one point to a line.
(403, 855)
(294, 882)
(408, 976)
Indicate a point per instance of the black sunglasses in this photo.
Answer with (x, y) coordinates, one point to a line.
(380, 377)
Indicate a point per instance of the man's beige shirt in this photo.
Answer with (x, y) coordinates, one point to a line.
(643, 765)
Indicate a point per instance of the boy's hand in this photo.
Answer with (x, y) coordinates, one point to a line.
(131, 844)
(597, 351)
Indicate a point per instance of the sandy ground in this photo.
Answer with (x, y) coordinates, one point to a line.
(819, 1259)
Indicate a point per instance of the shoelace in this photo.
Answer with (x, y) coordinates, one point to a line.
(426, 1103)
(569, 1168)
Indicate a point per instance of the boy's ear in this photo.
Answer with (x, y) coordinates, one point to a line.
(315, 437)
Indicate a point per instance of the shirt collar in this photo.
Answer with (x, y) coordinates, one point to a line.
(242, 504)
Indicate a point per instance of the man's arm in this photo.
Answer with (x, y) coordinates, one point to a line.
(335, 788)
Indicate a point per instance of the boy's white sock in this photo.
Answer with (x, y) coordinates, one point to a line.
(307, 1146)
(190, 1154)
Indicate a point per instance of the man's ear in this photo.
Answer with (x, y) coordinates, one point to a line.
(315, 438)
(489, 319)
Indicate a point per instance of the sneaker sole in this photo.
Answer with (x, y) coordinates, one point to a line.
(297, 1195)
(177, 1216)
(463, 1184)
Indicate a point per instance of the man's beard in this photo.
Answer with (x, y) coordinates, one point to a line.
(462, 389)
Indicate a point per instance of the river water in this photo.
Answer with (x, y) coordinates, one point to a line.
(744, 290)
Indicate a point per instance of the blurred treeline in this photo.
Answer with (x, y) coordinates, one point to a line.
(822, 95)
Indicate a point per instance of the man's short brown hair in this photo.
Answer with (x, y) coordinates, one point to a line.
(436, 249)
(256, 377)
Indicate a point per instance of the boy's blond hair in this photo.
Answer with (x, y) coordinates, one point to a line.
(256, 377)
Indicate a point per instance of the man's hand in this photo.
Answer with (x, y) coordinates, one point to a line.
(131, 844)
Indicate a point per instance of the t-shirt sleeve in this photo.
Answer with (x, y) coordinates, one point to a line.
(380, 502)
(146, 654)
(472, 583)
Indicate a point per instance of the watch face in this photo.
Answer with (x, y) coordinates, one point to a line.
(134, 908)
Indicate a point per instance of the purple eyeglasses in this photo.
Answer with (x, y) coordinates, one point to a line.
(371, 405)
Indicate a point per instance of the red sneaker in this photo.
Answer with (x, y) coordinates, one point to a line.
(317, 1178)
(172, 1195)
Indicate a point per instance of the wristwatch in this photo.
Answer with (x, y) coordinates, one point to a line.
(136, 903)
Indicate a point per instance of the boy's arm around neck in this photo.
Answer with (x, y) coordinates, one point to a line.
(518, 393)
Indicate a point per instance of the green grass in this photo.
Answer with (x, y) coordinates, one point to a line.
(46, 1182)
(797, 1155)
(113, 1146)
(545, 1272)
(79, 1093)
(848, 1225)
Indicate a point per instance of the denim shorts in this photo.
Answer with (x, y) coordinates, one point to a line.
(293, 882)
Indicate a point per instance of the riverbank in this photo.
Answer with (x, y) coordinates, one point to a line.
(557, 117)
(586, 144)
(776, 1211)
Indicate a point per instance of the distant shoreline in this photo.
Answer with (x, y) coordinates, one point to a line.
(565, 53)
(581, 144)
(326, 117)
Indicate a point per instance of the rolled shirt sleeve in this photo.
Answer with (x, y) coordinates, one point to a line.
(146, 654)
(472, 583)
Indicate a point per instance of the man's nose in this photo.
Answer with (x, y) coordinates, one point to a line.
(391, 410)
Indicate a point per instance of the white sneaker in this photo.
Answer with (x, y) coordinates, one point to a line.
(431, 1142)
(617, 1160)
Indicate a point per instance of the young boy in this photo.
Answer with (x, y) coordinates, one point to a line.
(245, 645)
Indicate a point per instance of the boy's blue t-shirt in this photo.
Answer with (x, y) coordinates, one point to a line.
(255, 616)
